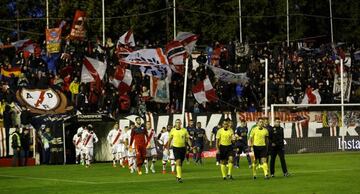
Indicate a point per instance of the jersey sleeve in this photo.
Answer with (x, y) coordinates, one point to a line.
(218, 134)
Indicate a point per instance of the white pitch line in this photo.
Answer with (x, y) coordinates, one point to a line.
(161, 180)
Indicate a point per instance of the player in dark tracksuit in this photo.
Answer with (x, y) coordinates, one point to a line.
(276, 140)
(199, 140)
(213, 135)
(241, 143)
(191, 130)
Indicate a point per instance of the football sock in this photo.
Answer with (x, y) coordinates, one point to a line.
(223, 170)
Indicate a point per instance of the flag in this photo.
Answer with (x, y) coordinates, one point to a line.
(158, 71)
(24, 45)
(53, 40)
(176, 55)
(51, 61)
(227, 76)
(311, 96)
(188, 40)
(127, 39)
(16, 71)
(204, 92)
(122, 79)
(347, 86)
(159, 89)
(146, 57)
(78, 30)
(92, 70)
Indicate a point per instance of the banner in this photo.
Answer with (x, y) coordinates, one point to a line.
(227, 76)
(43, 101)
(347, 86)
(53, 40)
(78, 30)
(159, 89)
(158, 71)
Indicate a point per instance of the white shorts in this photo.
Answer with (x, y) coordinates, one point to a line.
(87, 151)
(131, 154)
(169, 156)
(151, 152)
(77, 151)
(118, 148)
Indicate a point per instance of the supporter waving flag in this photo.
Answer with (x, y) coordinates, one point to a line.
(204, 91)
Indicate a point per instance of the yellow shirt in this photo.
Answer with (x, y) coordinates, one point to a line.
(259, 136)
(74, 87)
(225, 136)
(179, 137)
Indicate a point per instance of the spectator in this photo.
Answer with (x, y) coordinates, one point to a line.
(25, 142)
(16, 146)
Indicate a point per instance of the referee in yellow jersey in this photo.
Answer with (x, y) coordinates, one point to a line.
(224, 137)
(179, 136)
(258, 142)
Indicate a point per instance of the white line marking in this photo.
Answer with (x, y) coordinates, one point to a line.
(161, 180)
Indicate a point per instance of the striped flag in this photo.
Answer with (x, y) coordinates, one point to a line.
(188, 40)
(16, 71)
(3, 145)
(127, 39)
(204, 92)
(122, 79)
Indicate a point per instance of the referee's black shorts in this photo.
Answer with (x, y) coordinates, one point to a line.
(226, 152)
(260, 152)
(179, 153)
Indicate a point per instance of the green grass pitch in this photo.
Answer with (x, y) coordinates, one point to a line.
(311, 174)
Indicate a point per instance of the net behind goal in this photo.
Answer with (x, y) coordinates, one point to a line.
(310, 128)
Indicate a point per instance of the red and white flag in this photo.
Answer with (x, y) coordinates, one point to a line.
(146, 57)
(204, 92)
(176, 55)
(188, 40)
(311, 96)
(92, 70)
(78, 29)
(24, 45)
(127, 39)
(122, 79)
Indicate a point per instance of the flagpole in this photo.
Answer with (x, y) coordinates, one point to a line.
(240, 23)
(331, 23)
(266, 87)
(103, 22)
(174, 8)
(184, 92)
(47, 14)
(287, 23)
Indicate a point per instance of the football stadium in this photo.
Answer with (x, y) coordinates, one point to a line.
(181, 96)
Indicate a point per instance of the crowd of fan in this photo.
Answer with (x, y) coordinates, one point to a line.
(291, 71)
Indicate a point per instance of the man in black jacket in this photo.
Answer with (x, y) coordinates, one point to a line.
(276, 139)
(16, 146)
(25, 142)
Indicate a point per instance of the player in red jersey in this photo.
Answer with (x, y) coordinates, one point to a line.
(139, 137)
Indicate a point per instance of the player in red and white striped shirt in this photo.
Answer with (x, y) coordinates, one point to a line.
(117, 145)
(151, 153)
(88, 139)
